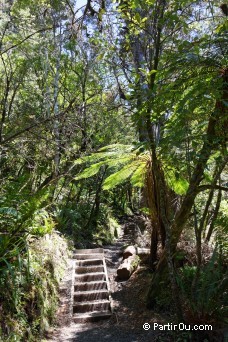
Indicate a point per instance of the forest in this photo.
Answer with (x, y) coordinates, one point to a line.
(111, 109)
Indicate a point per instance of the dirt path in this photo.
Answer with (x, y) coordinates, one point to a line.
(130, 313)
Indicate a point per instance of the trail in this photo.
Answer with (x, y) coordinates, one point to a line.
(130, 313)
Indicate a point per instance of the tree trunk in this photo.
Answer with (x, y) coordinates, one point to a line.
(96, 205)
(56, 129)
(215, 215)
(213, 140)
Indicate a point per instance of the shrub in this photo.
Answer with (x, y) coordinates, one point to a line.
(29, 287)
(204, 294)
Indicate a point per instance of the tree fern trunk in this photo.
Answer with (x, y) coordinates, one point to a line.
(212, 141)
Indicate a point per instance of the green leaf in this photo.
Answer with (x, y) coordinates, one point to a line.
(119, 176)
(145, 210)
(138, 17)
(117, 147)
(177, 183)
(120, 161)
(152, 72)
(180, 186)
(138, 177)
(90, 171)
(94, 157)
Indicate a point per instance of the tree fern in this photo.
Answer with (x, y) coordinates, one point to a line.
(120, 176)
(90, 171)
(123, 162)
(118, 148)
(177, 183)
(94, 157)
(138, 176)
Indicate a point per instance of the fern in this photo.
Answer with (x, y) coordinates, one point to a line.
(105, 153)
(124, 161)
(118, 148)
(90, 171)
(119, 176)
(120, 161)
(94, 157)
(138, 176)
(178, 184)
(93, 169)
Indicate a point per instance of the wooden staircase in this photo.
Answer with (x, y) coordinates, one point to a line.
(90, 286)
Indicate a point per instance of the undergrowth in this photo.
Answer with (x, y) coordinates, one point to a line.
(204, 296)
(29, 288)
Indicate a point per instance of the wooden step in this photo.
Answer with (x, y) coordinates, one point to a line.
(89, 262)
(92, 285)
(89, 269)
(94, 305)
(86, 256)
(91, 317)
(90, 251)
(91, 299)
(88, 296)
(95, 276)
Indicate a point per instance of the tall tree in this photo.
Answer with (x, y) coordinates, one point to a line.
(169, 58)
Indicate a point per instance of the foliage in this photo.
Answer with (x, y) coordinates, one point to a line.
(29, 288)
(126, 159)
(100, 108)
(208, 301)
(221, 228)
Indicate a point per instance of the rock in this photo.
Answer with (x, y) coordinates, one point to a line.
(129, 251)
(127, 267)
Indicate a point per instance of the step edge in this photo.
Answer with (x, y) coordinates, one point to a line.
(91, 291)
(90, 250)
(96, 301)
(92, 314)
(90, 273)
(77, 268)
(89, 260)
(91, 282)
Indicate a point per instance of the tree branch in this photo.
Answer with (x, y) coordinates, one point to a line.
(208, 186)
(35, 124)
(26, 38)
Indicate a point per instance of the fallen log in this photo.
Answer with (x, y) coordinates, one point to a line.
(144, 254)
(129, 251)
(127, 267)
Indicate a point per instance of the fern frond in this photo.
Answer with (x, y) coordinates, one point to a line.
(138, 176)
(127, 159)
(117, 147)
(90, 171)
(120, 176)
(114, 151)
(178, 185)
(145, 157)
(94, 157)
(120, 161)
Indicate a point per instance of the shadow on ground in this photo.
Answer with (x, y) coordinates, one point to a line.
(105, 334)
